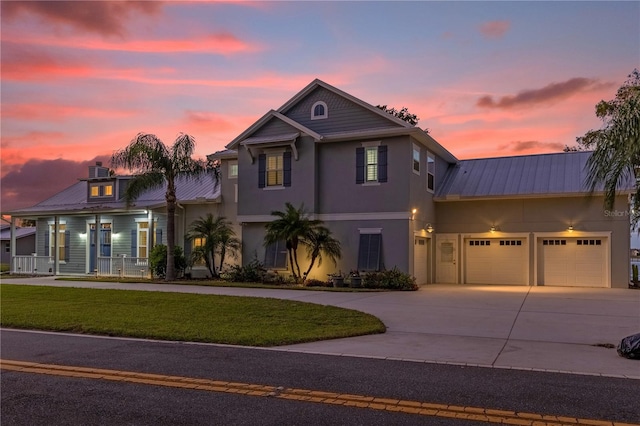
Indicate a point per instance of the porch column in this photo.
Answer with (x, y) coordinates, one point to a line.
(12, 244)
(152, 233)
(96, 242)
(56, 245)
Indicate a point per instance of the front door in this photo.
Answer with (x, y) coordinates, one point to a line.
(420, 259)
(105, 243)
(446, 258)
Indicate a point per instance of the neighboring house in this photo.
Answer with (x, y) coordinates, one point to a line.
(390, 193)
(25, 242)
(88, 228)
(394, 197)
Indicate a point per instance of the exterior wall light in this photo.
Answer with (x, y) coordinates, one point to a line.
(413, 213)
(492, 229)
(429, 228)
(570, 228)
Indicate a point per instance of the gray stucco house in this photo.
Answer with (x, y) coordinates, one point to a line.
(390, 193)
(395, 197)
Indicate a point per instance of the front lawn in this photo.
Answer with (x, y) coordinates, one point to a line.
(176, 316)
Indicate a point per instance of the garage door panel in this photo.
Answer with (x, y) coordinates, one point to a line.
(574, 262)
(496, 261)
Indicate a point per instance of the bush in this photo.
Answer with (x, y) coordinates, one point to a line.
(253, 272)
(391, 280)
(158, 261)
(317, 283)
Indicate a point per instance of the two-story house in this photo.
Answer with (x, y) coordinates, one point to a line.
(395, 197)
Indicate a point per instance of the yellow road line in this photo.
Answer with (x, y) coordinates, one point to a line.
(307, 395)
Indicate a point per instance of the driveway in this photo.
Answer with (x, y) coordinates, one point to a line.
(558, 329)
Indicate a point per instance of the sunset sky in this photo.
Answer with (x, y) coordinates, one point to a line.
(81, 79)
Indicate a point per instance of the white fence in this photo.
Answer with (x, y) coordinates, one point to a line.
(32, 265)
(132, 267)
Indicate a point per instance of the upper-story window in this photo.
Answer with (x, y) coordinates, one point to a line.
(233, 169)
(319, 110)
(431, 171)
(416, 159)
(371, 163)
(274, 169)
(101, 190)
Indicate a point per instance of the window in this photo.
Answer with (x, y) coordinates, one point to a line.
(274, 169)
(197, 244)
(101, 190)
(142, 247)
(371, 164)
(276, 255)
(7, 248)
(233, 169)
(479, 242)
(319, 111)
(275, 172)
(370, 252)
(431, 171)
(416, 159)
(62, 234)
(554, 242)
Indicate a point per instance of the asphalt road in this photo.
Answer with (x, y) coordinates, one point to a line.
(30, 398)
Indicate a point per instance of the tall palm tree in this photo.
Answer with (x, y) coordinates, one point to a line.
(291, 225)
(154, 165)
(616, 146)
(320, 243)
(217, 236)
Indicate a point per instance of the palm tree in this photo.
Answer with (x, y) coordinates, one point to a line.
(319, 242)
(291, 225)
(217, 237)
(616, 146)
(154, 165)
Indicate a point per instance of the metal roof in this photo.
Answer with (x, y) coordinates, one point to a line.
(74, 198)
(559, 174)
(5, 233)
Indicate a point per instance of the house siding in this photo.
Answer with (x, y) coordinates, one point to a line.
(344, 115)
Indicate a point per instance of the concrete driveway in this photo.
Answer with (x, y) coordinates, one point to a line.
(558, 329)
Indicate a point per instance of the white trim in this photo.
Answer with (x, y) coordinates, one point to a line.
(370, 230)
(273, 188)
(370, 144)
(232, 163)
(416, 148)
(319, 117)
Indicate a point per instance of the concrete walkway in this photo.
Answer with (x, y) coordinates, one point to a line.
(557, 329)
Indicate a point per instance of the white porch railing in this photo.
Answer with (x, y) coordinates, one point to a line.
(131, 267)
(33, 265)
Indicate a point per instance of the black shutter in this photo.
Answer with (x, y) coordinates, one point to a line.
(270, 255)
(360, 165)
(158, 237)
(369, 252)
(382, 163)
(67, 245)
(134, 243)
(46, 243)
(286, 163)
(187, 248)
(262, 169)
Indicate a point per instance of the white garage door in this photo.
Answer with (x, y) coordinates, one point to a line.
(574, 262)
(496, 261)
(420, 254)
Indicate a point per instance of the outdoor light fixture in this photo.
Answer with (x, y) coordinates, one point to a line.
(413, 213)
(429, 228)
(570, 228)
(492, 229)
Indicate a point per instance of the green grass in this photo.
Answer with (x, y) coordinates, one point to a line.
(176, 316)
(4, 267)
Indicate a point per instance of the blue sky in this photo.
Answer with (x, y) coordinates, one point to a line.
(487, 78)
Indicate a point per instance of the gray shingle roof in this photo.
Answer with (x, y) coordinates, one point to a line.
(523, 176)
(74, 198)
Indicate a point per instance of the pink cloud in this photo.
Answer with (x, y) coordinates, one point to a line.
(102, 17)
(222, 43)
(494, 29)
(56, 113)
(549, 93)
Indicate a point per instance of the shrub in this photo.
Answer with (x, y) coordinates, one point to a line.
(252, 272)
(158, 260)
(317, 283)
(392, 279)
